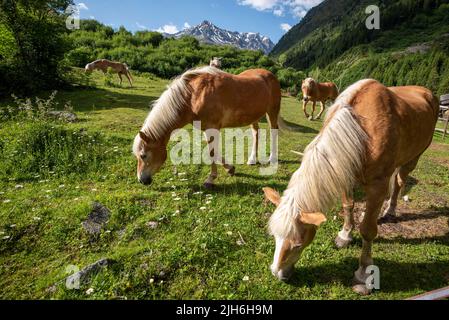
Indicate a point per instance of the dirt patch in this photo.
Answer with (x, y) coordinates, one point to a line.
(439, 147)
(411, 224)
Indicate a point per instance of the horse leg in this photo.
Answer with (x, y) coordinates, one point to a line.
(375, 193)
(313, 110)
(323, 107)
(129, 79)
(253, 158)
(274, 133)
(398, 186)
(344, 237)
(121, 79)
(304, 108)
(213, 144)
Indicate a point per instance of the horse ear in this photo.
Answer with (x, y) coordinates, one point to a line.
(273, 196)
(315, 219)
(144, 137)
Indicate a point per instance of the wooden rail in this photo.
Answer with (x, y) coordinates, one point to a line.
(440, 294)
(444, 116)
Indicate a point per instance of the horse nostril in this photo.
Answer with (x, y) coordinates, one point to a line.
(146, 180)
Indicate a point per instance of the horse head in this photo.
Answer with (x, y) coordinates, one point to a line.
(151, 154)
(89, 67)
(308, 89)
(290, 246)
(216, 62)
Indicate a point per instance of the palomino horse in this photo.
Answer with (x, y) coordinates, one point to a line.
(218, 100)
(317, 92)
(373, 136)
(117, 67)
(216, 62)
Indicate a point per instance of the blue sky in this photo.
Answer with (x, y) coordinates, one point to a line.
(268, 17)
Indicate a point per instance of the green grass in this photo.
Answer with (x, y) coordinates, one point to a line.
(192, 254)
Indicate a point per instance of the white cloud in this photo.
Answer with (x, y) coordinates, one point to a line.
(259, 4)
(278, 12)
(297, 8)
(141, 26)
(82, 6)
(187, 25)
(168, 28)
(286, 27)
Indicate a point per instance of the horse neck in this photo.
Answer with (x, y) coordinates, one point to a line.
(163, 135)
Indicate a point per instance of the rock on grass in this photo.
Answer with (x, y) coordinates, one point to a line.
(83, 277)
(97, 219)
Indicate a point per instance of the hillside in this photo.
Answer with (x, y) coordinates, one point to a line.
(333, 43)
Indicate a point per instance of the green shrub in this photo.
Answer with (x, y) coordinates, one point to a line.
(43, 149)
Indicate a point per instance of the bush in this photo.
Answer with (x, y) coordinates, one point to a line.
(166, 58)
(43, 149)
(25, 109)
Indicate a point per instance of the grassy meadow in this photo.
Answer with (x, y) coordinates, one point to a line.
(176, 240)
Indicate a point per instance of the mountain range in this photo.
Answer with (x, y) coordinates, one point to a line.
(209, 33)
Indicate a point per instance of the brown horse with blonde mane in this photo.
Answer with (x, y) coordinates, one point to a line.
(218, 100)
(314, 92)
(117, 67)
(373, 136)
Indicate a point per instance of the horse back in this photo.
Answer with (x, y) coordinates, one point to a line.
(399, 122)
(227, 100)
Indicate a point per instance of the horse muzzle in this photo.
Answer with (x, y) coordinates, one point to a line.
(282, 275)
(146, 180)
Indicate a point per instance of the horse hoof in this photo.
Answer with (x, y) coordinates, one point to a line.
(342, 244)
(209, 186)
(231, 172)
(310, 118)
(362, 290)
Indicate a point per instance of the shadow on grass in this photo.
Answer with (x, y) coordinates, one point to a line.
(424, 215)
(395, 276)
(359, 194)
(92, 99)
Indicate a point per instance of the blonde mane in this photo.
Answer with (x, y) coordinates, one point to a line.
(165, 111)
(329, 168)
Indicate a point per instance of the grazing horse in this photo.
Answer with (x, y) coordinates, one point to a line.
(317, 92)
(218, 100)
(373, 136)
(117, 67)
(216, 62)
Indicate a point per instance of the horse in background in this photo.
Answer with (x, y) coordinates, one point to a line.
(373, 136)
(314, 92)
(217, 100)
(103, 65)
(216, 62)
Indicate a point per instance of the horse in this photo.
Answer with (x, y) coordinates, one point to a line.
(373, 137)
(117, 67)
(216, 62)
(218, 100)
(317, 92)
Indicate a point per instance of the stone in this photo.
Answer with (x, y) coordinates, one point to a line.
(83, 277)
(97, 219)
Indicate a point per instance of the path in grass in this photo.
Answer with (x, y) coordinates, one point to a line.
(206, 244)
